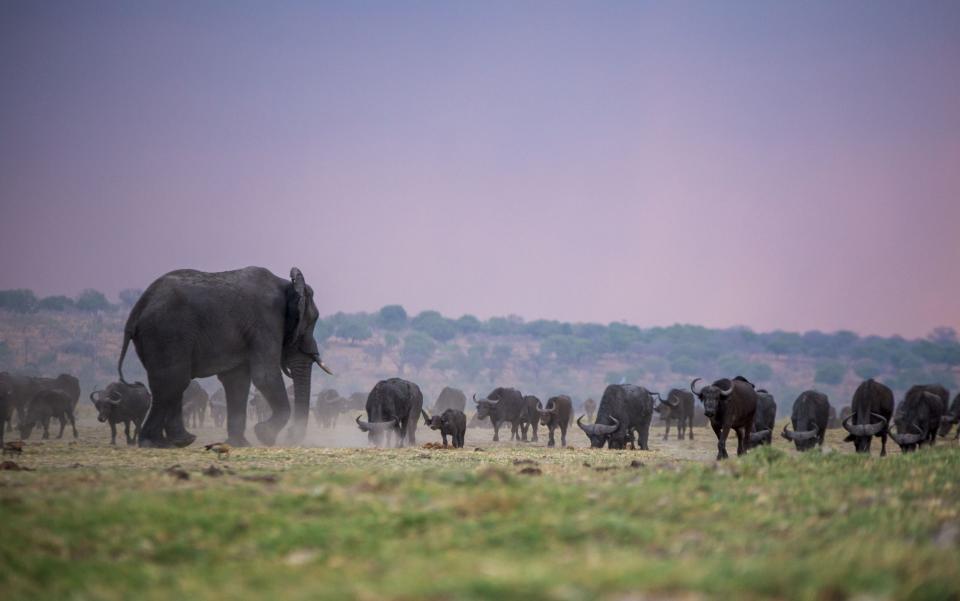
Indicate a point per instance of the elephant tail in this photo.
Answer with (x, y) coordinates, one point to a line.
(127, 335)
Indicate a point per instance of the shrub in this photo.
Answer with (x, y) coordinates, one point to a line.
(392, 317)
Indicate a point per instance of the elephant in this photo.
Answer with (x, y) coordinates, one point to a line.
(246, 325)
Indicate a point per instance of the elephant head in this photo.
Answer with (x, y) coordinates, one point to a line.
(300, 350)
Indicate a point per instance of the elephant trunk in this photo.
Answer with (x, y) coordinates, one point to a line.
(300, 370)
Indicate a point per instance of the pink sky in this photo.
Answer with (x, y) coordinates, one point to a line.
(775, 166)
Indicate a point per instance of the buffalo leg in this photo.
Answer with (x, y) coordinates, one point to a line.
(236, 387)
(563, 435)
(666, 433)
(126, 430)
(550, 440)
(496, 430)
(690, 427)
(46, 428)
(514, 435)
(883, 444)
(113, 433)
(73, 423)
(741, 437)
(63, 425)
(535, 425)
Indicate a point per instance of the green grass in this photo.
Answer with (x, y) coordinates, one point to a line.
(416, 523)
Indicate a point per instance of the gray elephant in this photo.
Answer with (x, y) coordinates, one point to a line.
(242, 326)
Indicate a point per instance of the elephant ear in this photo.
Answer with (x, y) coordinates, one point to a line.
(296, 307)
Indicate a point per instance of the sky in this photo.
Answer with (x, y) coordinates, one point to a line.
(774, 165)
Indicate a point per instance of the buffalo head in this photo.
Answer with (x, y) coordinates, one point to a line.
(598, 433)
(711, 396)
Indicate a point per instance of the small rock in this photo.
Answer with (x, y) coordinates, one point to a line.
(524, 462)
(585, 464)
(531, 471)
(636, 464)
(478, 449)
(605, 468)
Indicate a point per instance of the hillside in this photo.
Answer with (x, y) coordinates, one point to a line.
(540, 357)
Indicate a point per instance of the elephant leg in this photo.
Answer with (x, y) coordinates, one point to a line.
(270, 383)
(167, 387)
(236, 387)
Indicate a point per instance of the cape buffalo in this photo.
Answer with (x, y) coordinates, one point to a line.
(729, 405)
(328, 408)
(6, 407)
(195, 401)
(918, 417)
(452, 423)
(122, 403)
(556, 414)
(48, 403)
(357, 401)
(450, 398)
(624, 409)
(393, 406)
(531, 417)
(677, 406)
(24, 388)
(218, 407)
(951, 417)
(762, 431)
(810, 416)
(502, 405)
(870, 414)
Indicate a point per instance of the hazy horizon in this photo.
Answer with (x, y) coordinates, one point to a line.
(778, 166)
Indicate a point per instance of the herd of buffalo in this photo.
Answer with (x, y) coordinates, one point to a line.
(395, 406)
(249, 327)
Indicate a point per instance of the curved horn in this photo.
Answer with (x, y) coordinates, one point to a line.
(759, 436)
(426, 418)
(539, 407)
(374, 426)
(799, 436)
(99, 394)
(728, 391)
(475, 399)
(949, 419)
(692, 386)
(864, 429)
(319, 362)
(599, 429)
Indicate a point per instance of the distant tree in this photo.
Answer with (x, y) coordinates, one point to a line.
(435, 325)
(830, 372)
(503, 326)
(468, 324)
(684, 366)
(783, 343)
(91, 300)
(541, 328)
(758, 373)
(470, 365)
(943, 335)
(55, 303)
(21, 300)
(620, 337)
(391, 340)
(392, 317)
(499, 356)
(322, 330)
(417, 349)
(129, 296)
(867, 369)
(354, 329)
(568, 350)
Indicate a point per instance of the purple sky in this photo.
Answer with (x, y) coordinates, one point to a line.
(770, 164)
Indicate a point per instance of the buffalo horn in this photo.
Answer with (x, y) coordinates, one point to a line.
(864, 429)
(599, 429)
